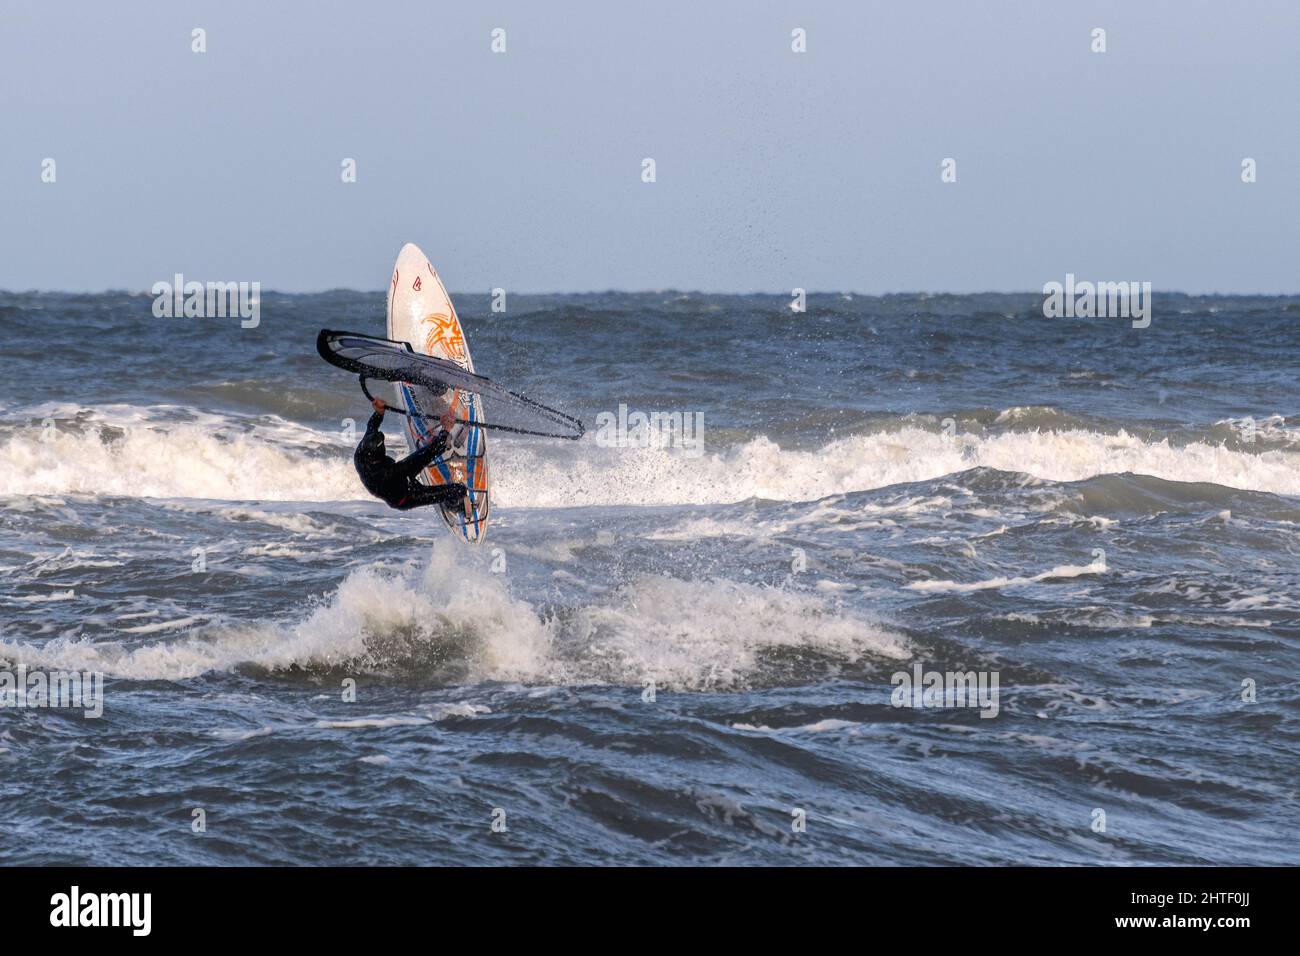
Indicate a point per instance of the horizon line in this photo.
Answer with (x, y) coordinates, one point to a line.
(663, 291)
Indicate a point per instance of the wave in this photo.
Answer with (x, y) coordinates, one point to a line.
(280, 461)
(133, 452)
(1058, 573)
(462, 624)
(759, 468)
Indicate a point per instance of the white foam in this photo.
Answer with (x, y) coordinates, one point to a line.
(298, 524)
(204, 458)
(1018, 413)
(176, 625)
(69, 559)
(443, 711)
(827, 725)
(53, 596)
(714, 634)
(1061, 571)
(366, 723)
(1255, 602)
(237, 735)
(1270, 428)
(164, 460)
(704, 634)
(541, 477)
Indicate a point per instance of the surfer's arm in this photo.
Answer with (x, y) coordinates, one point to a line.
(376, 420)
(418, 460)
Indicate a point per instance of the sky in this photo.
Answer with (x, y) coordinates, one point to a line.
(774, 170)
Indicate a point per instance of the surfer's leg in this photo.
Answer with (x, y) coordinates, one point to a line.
(421, 495)
(418, 460)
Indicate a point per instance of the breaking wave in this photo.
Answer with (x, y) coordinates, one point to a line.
(279, 461)
(454, 623)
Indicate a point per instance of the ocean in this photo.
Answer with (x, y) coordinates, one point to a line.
(678, 645)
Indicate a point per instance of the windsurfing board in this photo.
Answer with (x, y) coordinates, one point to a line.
(420, 313)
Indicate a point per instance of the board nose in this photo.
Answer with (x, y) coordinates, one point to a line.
(411, 258)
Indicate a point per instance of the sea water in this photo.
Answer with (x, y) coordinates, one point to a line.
(671, 648)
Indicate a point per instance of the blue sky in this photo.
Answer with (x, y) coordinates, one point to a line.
(774, 169)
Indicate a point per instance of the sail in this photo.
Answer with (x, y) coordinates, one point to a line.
(373, 357)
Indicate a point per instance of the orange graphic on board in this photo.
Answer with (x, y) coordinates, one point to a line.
(445, 337)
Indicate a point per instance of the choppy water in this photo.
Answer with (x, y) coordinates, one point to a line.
(952, 481)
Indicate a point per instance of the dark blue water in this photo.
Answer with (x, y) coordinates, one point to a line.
(663, 653)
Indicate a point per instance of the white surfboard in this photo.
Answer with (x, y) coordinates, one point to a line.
(420, 312)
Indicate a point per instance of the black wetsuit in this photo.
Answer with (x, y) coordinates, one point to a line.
(395, 481)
